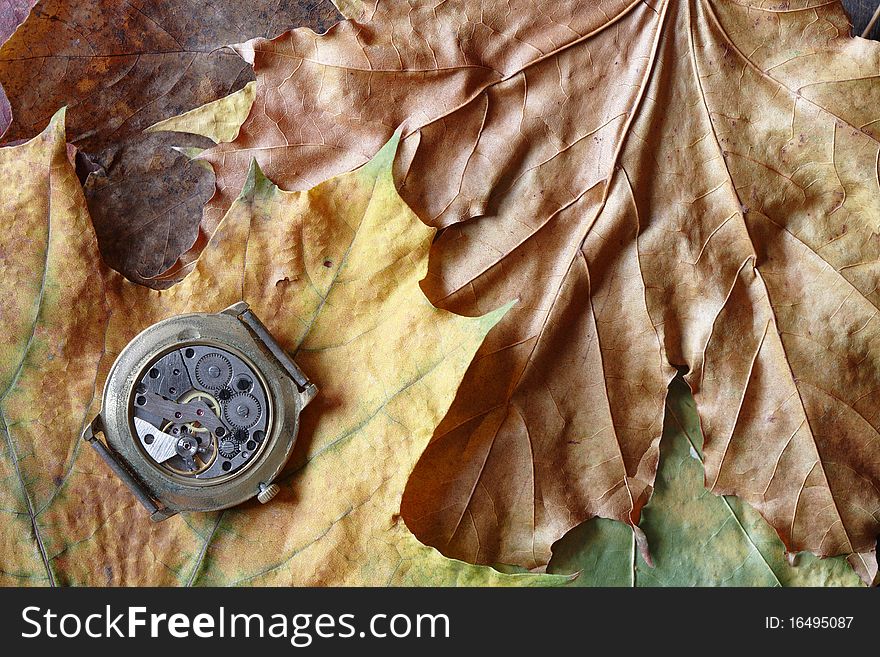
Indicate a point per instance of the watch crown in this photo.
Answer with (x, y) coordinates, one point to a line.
(267, 492)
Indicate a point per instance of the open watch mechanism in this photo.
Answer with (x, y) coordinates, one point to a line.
(200, 412)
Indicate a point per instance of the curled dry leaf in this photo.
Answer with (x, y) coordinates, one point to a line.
(120, 67)
(334, 272)
(675, 183)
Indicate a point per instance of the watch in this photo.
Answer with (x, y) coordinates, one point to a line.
(200, 412)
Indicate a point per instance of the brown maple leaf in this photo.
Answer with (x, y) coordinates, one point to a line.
(120, 67)
(668, 184)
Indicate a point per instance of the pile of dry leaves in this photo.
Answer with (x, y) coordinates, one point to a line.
(494, 233)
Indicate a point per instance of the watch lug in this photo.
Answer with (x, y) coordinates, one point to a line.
(258, 329)
(308, 394)
(116, 466)
(236, 309)
(96, 426)
(121, 471)
(162, 514)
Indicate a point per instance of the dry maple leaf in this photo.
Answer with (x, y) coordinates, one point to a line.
(680, 183)
(334, 271)
(696, 539)
(119, 67)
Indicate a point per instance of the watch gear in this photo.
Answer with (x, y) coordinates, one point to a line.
(213, 370)
(242, 411)
(240, 435)
(228, 448)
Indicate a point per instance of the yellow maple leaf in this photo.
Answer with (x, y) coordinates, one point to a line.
(334, 272)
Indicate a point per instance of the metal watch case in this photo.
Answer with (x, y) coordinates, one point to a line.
(200, 412)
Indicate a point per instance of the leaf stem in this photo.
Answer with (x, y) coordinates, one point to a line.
(872, 21)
